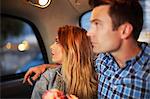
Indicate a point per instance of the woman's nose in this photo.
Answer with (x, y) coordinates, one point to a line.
(51, 46)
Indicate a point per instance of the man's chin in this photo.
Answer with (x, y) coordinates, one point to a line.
(96, 51)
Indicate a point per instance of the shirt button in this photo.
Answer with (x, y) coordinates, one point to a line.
(148, 71)
(116, 75)
(131, 70)
(109, 78)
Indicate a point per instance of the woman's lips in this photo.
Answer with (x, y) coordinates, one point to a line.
(52, 54)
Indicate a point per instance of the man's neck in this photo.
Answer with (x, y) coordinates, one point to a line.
(126, 52)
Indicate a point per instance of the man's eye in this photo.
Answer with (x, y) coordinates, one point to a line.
(96, 23)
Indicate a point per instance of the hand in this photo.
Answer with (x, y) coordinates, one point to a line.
(71, 97)
(38, 70)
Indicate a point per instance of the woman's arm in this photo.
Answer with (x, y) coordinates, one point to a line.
(37, 71)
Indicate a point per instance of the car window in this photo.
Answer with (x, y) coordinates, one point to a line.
(145, 34)
(84, 21)
(20, 46)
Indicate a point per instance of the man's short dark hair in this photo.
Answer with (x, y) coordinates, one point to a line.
(122, 11)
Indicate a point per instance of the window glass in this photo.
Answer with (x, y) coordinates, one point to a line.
(85, 20)
(145, 34)
(19, 47)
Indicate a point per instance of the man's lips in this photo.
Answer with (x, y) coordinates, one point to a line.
(93, 43)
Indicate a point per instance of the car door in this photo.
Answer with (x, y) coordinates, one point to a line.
(21, 48)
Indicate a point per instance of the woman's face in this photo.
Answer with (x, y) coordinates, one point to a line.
(57, 51)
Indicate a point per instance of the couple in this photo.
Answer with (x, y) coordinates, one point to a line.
(122, 63)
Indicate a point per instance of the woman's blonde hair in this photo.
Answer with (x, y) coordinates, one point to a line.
(77, 66)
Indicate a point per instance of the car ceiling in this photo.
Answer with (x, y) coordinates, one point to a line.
(47, 20)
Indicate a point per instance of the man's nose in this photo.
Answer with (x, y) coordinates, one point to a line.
(89, 33)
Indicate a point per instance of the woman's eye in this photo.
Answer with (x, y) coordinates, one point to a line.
(57, 42)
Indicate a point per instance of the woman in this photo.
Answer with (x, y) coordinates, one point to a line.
(75, 75)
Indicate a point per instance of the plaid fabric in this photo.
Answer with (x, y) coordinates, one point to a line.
(132, 81)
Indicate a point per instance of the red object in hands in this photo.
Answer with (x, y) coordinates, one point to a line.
(53, 94)
(56, 94)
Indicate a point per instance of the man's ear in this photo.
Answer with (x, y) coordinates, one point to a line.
(125, 30)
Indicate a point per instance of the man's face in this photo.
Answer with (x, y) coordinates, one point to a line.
(103, 37)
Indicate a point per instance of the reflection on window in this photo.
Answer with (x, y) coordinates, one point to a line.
(19, 47)
(145, 34)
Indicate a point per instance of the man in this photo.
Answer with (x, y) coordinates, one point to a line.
(123, 64)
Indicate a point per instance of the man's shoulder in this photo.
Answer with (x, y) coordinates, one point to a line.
(145, 47)
(144, 56)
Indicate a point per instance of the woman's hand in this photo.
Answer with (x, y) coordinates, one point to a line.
(71, 97)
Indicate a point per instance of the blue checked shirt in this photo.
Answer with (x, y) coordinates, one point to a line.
(131, 82)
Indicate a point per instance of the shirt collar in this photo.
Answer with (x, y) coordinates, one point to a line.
(145, 49)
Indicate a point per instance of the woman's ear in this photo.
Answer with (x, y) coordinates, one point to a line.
(125, 30)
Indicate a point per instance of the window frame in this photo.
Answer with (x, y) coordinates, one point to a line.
(40, 43)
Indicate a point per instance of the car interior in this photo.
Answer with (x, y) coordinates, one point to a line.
(29, 27)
